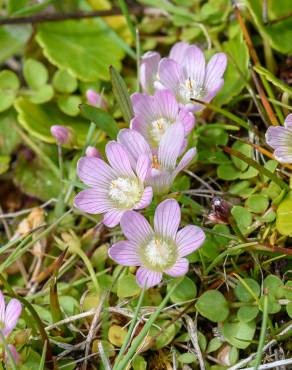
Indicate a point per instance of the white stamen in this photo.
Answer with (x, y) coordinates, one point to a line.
(191, 89)
(158, 128)
(125, 191)
(159, 254)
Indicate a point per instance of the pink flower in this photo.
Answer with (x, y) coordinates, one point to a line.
(61, 134)
(114, 188)
(150, 61)
(154, 114)
(95, 99)
(9, 314)
(164, 167)
(159, 250)
(280, 139)
(191, 78)
(91, 151)
(14, 354)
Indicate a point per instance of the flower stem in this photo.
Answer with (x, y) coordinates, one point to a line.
(262, 333)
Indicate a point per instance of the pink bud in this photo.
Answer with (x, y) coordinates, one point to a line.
(92, 152)
(60, 133)
(95, 99)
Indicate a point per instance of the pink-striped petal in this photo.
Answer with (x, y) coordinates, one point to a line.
(135, 227)
(187, 119)
(180, 268)
(170, 146)
(215, 70)
(167, 218)
(288, 121)
(118, 159)
(2, 308)
(125, 253)
(95, 172)
(143, 166)
(93, 201)
(148, 70)
(12, 313)
(283, 154)
(165, 105)
(14, 354)
(279, 136)
(169, 73)
(113, 217)
(189, 239)
(186, 159)
(146, 198)
(135, 144)
(146, 278)
(177, 52)
(159, 181)
(194, 65)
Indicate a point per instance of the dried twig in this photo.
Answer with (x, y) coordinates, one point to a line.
(193, 332)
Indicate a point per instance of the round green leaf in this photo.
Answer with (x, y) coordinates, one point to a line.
(187, 358)
(247, 313)
(69, 104)
(273, 305)
(257, 203)
(9, 84)
(35, 73)
(12, 39)
(214, 345)
(227, 172)
(284, 217)
(242, 217)
(213, 305)
(289, 309)
(42, 95)
(64, 82)
(85, 47)
(167, 335)
(244, 149)
(274, 286)
(185, 291)
(288, 290)
(239, 334)
(127, 286)
(243, 294)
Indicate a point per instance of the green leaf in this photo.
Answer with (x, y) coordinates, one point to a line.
(214, 345)
(242, 217)
(4, 163)
(85, 47)
(187, 358)
(239, 334)
(288, 290)
(242, 292)
(38, 119)
(121, 94)
(207, 307)
(12, 39)
(185, 291)
(273, 305)
(274, 80)
(9, 139)
(127, 286)
(275, 286)
(44, 94)
(247, 313)
(227, 172)
(257, 203)
(244, 149)
(166, 336)
(64, 82)
(289, 309)
(102, 119)
(139, 363)
(238, 59)
(284, 217)
(69, 104)
(9, 85)
(35, 73)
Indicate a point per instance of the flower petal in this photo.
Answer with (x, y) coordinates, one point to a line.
(143, 166)
(146, 278)
(14, 354)
(12, 313)
(194, 65)
(170, 146)
(118, 159)
(169, 73)
(135, 144)
(215, 70)
(135, 227)
(146, 198)
(113, 217)
(180, 268)
(210, 95)
(2, 307)
(125, 253)
(95, 172)
(165, 105)
(189, 239)
(279, 137)
(148, 70)
(288, 121)
(186, 159)
(187, 119)
(93, 201)
(160, 181)
(177, 52)
(167, 218)
(283, 154)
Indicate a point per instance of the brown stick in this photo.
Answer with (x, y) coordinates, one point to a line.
(55, 17)
(256, 61)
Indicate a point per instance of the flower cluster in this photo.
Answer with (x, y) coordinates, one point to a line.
(146, 158)
(9, 316)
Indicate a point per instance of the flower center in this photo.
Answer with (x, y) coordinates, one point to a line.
(158, 254)
(125, 192)
(157, 129)
(190, 89)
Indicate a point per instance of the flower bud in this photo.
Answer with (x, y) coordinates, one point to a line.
(220, 211)
(91, 151)
(61, 134)
(95, 99)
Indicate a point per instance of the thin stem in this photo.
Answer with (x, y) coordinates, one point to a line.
(131, 327)
(262, 333)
